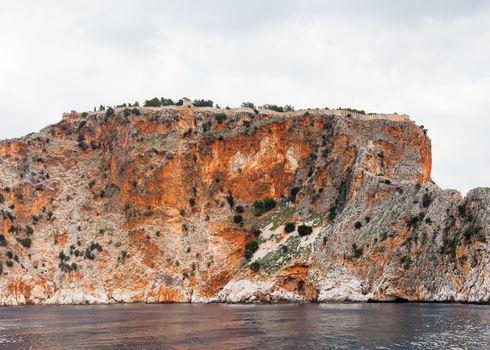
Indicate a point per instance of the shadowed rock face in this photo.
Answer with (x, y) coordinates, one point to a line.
(127, 208)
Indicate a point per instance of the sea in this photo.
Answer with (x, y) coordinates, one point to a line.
(236, 326)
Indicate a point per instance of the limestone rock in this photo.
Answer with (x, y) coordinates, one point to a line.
(159, 205)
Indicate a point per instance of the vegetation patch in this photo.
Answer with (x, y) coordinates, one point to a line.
(154, 102)
(26, 242)
(293, 193)
(219, 117)
(89, 251)
(203, 103)
(304, 230)
(356, 251)
(276, 108)
(248, 105)
(264, 206)
(275, 260)
(251, 247)
(289, 227)
(255, 266)
(237, 219)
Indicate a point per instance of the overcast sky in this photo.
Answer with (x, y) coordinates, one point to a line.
(429, 59)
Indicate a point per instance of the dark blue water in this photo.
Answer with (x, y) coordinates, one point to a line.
(310, 326)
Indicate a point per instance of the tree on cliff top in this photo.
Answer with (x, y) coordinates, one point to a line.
(281, 109)
(154, 102)
(203, 103)
(248, 105)
(166, 101)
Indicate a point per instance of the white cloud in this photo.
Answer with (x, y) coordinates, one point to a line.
(428, 59)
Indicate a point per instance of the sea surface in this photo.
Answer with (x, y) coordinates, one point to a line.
(216, 326)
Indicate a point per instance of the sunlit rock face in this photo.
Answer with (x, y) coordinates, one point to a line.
(161, 204)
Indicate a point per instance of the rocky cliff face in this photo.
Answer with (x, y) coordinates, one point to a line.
(163, 204)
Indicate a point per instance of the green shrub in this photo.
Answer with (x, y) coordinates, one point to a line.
(462, 210)
(166, 101)
(248, 254)
(239, 209)
(154, 102)
(471, 231)
(94, 144)
(255, 266)
(2, 198)
(123, 255)
(220, 117)
(248, 105)
(192, 202)
(203, 103)
(264, 206)
(237, 219)
(252, 245)
(414, 221)
(109, 112)
(269, 204)
(293, 193)
(358, 225)
(273, 107)
(29, 230)
(89, 250)
(426, 200)
(357, 251)
(405, 261)
(276, 108)
(230, 200)
(82, 145)
(353, 110)
(26, 242)
(136, 111)
(289, 227)
(62, 256)
(9, 263)
(10, 255)
(304, 230)
(3, 240)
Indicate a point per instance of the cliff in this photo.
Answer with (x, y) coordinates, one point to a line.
(179, 204)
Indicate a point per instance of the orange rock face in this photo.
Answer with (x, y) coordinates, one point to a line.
(180, 204)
